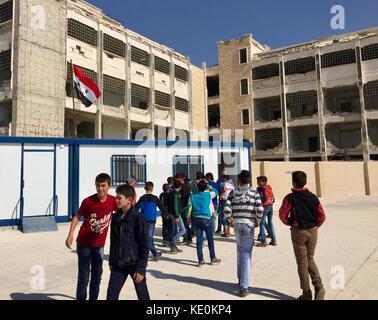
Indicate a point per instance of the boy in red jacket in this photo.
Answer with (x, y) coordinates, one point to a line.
(303, 211)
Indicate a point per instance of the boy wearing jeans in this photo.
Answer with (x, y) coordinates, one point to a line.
(303, 211)
(244, 204)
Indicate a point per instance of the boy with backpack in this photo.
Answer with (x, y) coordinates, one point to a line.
(303, 212)
(267, 199)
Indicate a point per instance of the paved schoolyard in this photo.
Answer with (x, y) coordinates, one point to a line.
(346, 255)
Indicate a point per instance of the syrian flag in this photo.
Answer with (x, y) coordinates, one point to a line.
(87, 91)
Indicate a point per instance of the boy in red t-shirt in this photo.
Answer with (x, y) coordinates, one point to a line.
(97, 211)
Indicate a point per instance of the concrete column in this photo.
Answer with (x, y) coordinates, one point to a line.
(285, 133)
(320, 93)
(172, 134)
(127, 103)
(190, 98)
(152, 95)
(100, 82)
(364, 125)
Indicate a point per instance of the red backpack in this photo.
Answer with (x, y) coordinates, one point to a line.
(269, 196)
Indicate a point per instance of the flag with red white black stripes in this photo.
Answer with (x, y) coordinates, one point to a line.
(87, 90)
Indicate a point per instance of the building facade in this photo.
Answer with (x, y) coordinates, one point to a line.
(144, 84)
(312, 101)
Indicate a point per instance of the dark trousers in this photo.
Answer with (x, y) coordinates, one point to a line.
(188, 233)
(90, 264)
(167, 223)
(304, 244)
(117, 280)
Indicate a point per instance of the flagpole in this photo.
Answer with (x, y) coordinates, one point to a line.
(73, 101)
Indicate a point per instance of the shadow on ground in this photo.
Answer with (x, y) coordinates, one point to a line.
(226, 287)
(39, 296)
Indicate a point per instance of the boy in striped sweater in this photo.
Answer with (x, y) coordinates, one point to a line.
(245, 207)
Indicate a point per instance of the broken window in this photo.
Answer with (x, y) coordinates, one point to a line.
(344, 135)
(245, 117)
(140, 96)
(302, 104)
(345, 99)
(181, 73)
(267, 71)
(114, 45)
(82, 32)
(213, 114)
(114, 91)
(304, 139)
(371, 95)
(338, 58)
(140, 56)
(243, 56)
(6, 11)
(268, 139)
(162, 65)
(162, 99)
(370, 52)
(244, 86)
(267, 109)
(212, 86)
(181, 104)
(301, 65)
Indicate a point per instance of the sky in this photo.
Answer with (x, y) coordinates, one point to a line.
(194, 27)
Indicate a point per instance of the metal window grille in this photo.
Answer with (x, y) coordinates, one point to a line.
(162, 99)
(128, 166)
(268, 139)
(244, 86)
(82, 32)
(213, 114)
(181, 104)
(162, 65)
(188, 165)
(114, 45)
(6, 11)
(181, 73)
(243, 55)
(114, 85)
(245, 116)
(140, 96)
(267, 71)
(300, 98)
(140, 56)
(338, 58)
(370, 52)
(371, 89)
(90, 73)
(301, 65)
(5, 60)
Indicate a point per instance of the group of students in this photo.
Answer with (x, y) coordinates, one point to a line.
(190, 208)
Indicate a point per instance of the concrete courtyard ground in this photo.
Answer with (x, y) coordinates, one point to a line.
(347, 250)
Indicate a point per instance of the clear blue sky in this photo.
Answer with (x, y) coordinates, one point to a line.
(194, 27)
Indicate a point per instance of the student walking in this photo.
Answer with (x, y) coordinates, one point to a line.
(128, 247)
(303, 212)
(245, 207)
(147, 206)
(166, 220)
(97, 211)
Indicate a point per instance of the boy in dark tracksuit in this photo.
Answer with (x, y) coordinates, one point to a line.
(147, 205)
(167, 222)
(303, 211)
(128, 246)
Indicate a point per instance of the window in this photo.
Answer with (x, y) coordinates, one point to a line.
(267, 71)
(5, 60)
(6, 9)
(245, 117)
(243, 56)
(213, 115)
(338, 58)
(181, 73)
(370, 52)
(244, 86)
(188, 165)
(301, 65)
(140, 96)
(82, 32)
(140, 56)
(127, 166)
(114, 45)
(162, 99)
(162, 65)
(181, 104)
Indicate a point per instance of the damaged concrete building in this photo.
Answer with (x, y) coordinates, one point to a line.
(144, 84)
(312, 101)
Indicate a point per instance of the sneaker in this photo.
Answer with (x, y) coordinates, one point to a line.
(273, 243)
(243, 292)
(319, 293)
(262, 244)
(165, 243)
(218, 232)
(305, 296)
(173, 249)
(201, 263)
(215, 261)
(177, 249)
